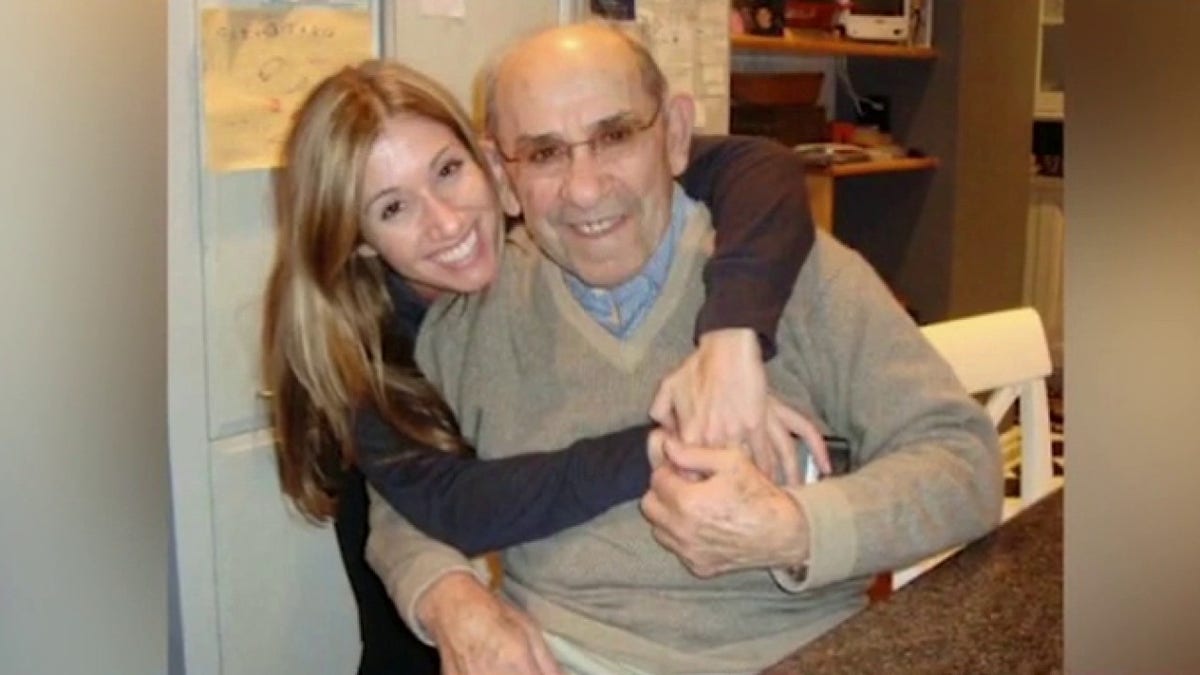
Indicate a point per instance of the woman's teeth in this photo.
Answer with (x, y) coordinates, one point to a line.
(460, 252)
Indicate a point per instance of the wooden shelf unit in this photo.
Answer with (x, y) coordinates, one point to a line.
(876, 166)
(944, 240)
(821, 181)
(821, 44)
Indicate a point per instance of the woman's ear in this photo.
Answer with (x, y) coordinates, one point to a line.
(366, 250)
(508, 198)
(680, 113)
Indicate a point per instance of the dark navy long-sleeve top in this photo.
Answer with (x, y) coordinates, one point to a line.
(484, 505)
(763, 234)
(764, 231)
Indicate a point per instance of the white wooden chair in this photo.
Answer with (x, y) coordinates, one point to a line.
(1004, 355)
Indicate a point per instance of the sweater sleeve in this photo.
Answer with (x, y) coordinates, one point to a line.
(407, 561)
(754, 188)
(478, 505)
(927, 472)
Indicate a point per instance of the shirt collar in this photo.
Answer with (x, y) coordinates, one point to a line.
(622, 308)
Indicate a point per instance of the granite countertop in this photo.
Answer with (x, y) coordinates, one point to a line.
(995, 607)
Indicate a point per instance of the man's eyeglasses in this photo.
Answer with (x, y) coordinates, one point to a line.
(610, 142)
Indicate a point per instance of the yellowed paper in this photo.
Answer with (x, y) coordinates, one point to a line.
(258, 66)
(455, 9)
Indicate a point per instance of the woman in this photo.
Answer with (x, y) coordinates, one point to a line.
(358, 260)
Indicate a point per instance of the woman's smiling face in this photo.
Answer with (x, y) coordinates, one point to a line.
(429, 209)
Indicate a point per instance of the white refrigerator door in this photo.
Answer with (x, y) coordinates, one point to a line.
(452, 49)
(255, 590)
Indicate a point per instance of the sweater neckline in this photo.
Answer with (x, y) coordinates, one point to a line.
(628, 354)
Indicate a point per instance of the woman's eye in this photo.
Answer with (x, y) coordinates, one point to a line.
(450, 168)
(391, 209)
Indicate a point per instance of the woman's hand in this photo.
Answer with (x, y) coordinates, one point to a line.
(479, 633)
(784, 425)
(718, 396)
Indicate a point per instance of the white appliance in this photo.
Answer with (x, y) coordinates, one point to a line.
(255, 590)
(879, 20)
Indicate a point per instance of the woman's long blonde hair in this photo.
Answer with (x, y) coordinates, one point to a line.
(323, 351)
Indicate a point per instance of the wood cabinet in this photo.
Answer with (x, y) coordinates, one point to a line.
(950, 237)
(1046, 228)
(1049, 76)
(822, 183)
(823, 45)
(1045, 238)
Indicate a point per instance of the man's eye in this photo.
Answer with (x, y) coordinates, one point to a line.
(450, 168)
(545, 154)
(614, 136)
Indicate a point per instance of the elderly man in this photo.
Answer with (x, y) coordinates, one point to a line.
(727, 573)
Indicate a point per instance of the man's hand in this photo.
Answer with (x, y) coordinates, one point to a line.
(478, 632)
(733, 518)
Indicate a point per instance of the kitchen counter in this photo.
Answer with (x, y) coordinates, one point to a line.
(994, 607)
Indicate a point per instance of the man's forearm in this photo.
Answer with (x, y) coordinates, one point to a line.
(919, 499)
(448, 592)
(408, 562)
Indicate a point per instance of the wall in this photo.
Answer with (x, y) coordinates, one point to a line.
(419, 40)
(83, 495)
(951, 242)
(1132, 318)
(996, 88)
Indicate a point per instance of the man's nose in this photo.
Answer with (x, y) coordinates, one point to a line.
(583, 184)
(441, 217)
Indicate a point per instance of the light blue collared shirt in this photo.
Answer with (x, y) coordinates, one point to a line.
(623, 308)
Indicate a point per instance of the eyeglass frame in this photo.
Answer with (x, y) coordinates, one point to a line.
(635, 130)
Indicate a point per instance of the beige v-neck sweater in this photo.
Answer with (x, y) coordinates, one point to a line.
(525, 367)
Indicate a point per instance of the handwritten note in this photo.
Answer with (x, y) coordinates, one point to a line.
(690, 41)
(259, 64)
(455, 9)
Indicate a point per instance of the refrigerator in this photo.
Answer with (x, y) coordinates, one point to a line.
(254, 588)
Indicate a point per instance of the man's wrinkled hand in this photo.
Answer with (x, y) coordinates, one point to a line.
(734, 518)
(478, 633)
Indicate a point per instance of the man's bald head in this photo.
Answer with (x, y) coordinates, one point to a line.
(590, 142)
(595, 39)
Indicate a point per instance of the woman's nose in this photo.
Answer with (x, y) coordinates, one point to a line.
(442, 217)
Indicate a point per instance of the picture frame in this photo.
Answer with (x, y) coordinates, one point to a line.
(614, 10)
(760, 17)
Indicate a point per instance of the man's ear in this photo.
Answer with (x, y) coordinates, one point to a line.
(680, 113)
(508, 198)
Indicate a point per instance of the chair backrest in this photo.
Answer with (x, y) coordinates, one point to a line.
(1006, 354)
